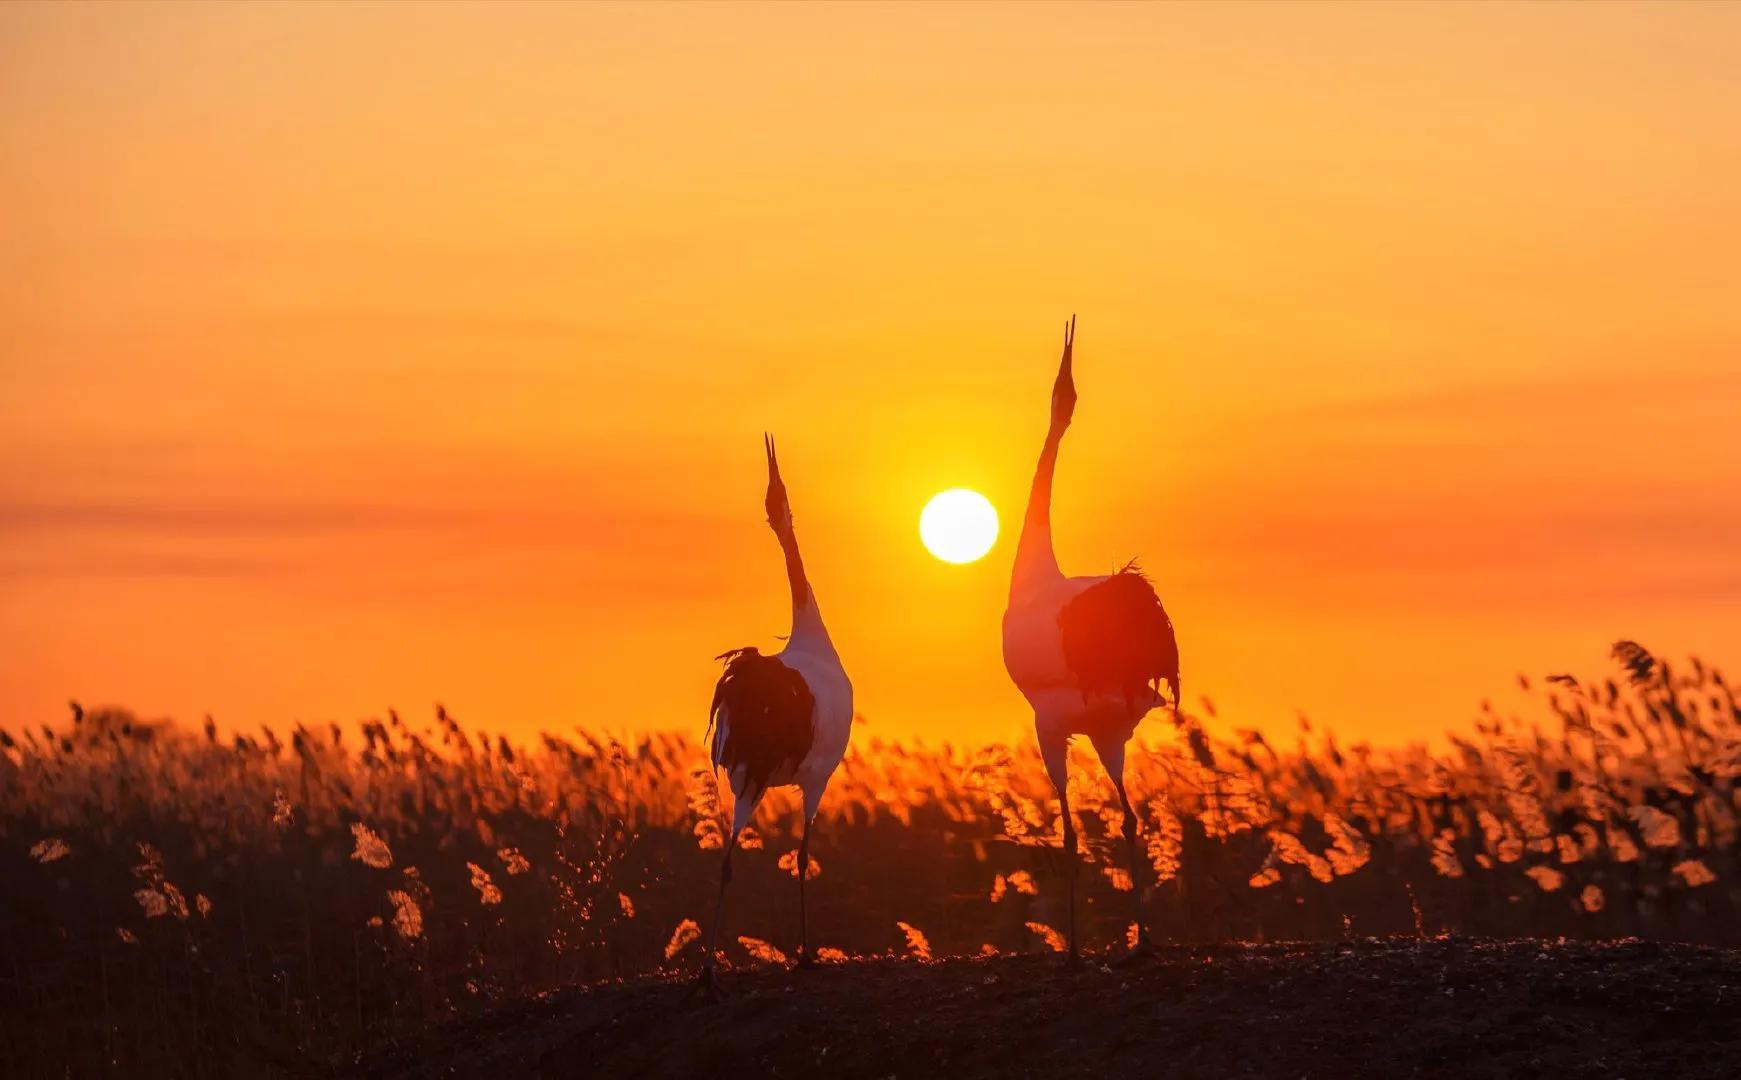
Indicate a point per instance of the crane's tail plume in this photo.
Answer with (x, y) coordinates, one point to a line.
(1118, 638)
(759, 723)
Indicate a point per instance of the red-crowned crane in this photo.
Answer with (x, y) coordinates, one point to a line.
(1089, 653)
(779, 720)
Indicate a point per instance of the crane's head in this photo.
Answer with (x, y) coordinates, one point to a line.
(779, 509)
(1064, 387)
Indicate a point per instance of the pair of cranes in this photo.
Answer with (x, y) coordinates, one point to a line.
(1088, 653)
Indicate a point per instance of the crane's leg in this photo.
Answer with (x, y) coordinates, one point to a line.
(1070, 853)
(812, 803)
(805, 959)
(741, 815)
(1112, 757)
(1054, 751)
(705, 982)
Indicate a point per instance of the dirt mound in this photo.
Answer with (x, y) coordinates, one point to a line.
(1373, 1008)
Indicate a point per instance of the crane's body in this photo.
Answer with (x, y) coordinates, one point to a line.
(1088, 653)
(1033, 650)
(780, 719)
(815, 663)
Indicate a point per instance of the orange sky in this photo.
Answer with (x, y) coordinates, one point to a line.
(369, 356)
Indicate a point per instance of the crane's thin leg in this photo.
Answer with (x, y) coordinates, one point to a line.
(1055, 753)
(1112, 757)
(1070, 854)
(805, 959)
(1142, 948)
(705, 982)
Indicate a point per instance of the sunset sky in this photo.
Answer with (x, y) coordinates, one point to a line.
(358, 357)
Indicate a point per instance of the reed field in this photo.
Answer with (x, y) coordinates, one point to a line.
(184, 901)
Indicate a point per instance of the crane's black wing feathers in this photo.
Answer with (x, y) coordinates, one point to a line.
(761, 718)
(1118, 638)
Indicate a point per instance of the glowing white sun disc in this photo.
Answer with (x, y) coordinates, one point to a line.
(958, 525)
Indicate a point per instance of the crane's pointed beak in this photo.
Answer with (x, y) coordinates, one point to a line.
(774, 481)
(1064, 388)
(779, 512)
(1065, 365)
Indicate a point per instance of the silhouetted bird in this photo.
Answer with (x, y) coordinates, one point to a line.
(1089, 653)
(781, 719)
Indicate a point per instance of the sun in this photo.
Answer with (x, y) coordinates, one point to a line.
(958, 525)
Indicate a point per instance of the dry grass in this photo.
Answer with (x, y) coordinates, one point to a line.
(183, 903)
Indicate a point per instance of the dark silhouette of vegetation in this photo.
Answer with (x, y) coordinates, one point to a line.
(185, 902)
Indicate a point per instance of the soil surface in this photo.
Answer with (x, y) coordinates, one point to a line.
(1370, 1008)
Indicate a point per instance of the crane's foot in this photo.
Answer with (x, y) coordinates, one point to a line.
(706, 986)
(806, 961)
(1072, 961)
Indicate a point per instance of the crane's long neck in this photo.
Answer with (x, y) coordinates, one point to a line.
(806, 616)
(1036, 564)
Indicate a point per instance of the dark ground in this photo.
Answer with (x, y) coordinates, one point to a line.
(1371, 1008)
